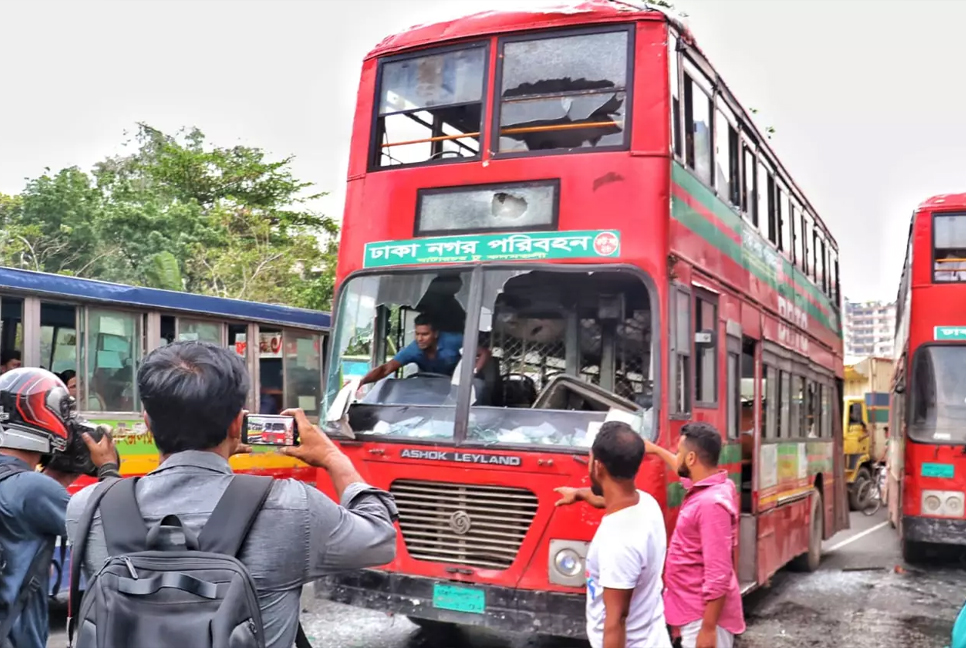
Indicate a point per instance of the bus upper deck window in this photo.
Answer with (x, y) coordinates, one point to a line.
(430, 107)
(949, 240)
(564, 92)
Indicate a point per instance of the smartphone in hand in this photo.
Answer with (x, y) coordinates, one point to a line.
(270, 430)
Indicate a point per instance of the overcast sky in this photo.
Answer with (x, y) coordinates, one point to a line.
(864, 95)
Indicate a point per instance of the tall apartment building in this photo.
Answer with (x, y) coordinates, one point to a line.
(869, 328)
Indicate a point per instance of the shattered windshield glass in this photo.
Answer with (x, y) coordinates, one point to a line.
(556, 355)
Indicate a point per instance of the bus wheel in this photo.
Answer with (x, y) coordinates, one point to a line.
(858, 494)
(811, 559)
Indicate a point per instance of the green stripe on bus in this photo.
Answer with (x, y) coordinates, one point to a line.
(675, 494)
(698, 224)
(730, 454)
(683, 178)
(710, 232)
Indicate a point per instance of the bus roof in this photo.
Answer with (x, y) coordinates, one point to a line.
(500, 22)
(91, 290)
(946, 201)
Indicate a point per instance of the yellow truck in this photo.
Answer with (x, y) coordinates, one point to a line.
(866, 422)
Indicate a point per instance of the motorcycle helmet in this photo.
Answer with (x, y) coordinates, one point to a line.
(35, 411)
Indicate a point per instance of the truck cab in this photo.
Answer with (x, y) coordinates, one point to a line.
(865, 424)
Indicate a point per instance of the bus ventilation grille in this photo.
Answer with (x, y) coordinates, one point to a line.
(465, 524)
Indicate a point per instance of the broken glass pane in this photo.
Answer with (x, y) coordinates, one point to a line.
(493, 208)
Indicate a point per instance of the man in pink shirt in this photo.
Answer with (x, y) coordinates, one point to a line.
(702, 600)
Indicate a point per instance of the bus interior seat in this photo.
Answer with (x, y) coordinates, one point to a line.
(517, 390)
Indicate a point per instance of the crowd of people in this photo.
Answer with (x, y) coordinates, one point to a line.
(277, 535)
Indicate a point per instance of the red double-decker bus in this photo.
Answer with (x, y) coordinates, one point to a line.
(578, 195)
(927, 464)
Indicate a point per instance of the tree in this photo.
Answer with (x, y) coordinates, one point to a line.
(179, 214)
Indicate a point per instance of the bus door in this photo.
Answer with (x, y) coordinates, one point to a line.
(741, 352)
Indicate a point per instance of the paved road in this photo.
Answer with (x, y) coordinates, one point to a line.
(858, 599)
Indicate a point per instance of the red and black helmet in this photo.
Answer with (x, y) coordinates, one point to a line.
(35, 411)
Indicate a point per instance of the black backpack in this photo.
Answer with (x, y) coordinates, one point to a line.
(35, 578)
(198, 595)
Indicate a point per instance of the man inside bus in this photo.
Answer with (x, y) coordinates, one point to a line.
(9, 360)
(432, 351)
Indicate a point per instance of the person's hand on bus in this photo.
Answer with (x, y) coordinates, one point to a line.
(102, 452)
(568, 495)
(315, 447)
(650, 448)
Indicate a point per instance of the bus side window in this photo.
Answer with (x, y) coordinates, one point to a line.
(11, 333)
(303, 371)
(58, 341)
(680, 370)
(113, 354)
(270, 399)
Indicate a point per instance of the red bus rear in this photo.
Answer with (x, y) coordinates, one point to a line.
(577, 192)
(927, 464)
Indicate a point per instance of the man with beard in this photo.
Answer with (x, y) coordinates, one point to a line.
(702, 597)
(624, 562)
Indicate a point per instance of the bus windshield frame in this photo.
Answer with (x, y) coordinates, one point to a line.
(463, 409)
(936, 415)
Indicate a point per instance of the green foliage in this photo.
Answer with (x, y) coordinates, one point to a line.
(178, 214)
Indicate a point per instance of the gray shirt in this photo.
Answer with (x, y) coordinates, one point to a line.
(300, 534)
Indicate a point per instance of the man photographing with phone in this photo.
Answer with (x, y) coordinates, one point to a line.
(193, 395)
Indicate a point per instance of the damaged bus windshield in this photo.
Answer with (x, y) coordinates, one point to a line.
(554, 356)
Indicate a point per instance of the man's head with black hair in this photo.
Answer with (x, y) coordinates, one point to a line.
(616, 455)
(10, 360)
(425, 332)
(699, 449)
(193, 394)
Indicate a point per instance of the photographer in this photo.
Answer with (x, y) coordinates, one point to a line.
(37, 427)
(193, 395)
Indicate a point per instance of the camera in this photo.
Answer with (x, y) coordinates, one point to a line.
(76, 458)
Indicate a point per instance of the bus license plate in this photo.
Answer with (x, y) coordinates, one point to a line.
(459, 599)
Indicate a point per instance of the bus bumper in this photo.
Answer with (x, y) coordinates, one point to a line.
(507, 609)
(934, 530)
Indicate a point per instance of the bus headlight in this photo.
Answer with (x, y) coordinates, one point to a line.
(948, 504)
(567, 562)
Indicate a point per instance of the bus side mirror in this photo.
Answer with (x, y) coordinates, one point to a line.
(704, 338)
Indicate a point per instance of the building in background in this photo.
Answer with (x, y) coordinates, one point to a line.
(869, 329)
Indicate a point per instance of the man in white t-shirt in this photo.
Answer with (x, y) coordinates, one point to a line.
(625, 608)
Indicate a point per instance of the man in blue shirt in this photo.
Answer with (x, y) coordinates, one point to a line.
(432, 351)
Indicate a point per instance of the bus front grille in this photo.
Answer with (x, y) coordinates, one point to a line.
(465, 524)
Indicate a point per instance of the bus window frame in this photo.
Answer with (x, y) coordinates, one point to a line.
(84, 379)
(496, 101)
(374, 152)
(473, 312)
(932, 246)
(552, 226)
(698, 295)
